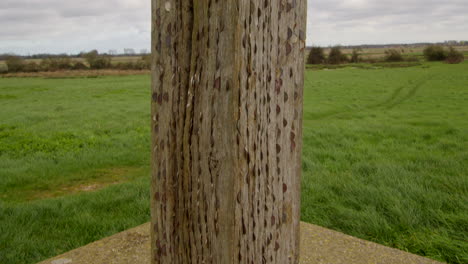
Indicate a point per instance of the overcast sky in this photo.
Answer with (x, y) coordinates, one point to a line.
(66, 26)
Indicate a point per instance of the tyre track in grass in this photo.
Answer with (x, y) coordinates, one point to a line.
(397, 97)
(414, 89)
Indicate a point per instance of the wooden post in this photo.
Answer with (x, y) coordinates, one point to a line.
(227, 84)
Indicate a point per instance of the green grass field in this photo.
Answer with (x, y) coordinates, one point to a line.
(385, 159)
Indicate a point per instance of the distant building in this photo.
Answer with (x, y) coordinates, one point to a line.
(451, 42)
(129, 51)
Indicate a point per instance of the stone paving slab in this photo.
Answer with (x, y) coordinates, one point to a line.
(318, 246)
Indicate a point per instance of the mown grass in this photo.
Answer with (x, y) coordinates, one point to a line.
(385, 154)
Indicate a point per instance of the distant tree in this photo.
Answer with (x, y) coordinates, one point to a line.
(102, 62)
(55, 64)
(14, 63)
(336, 56)
(435, 53)
(3, 68)
(146, 59)
(356, 55)
(393, 55)
(344, 58)
(91, 56)
(97, 61)
(79, 66)
(129, 65)
(454, 56)
(316, 56)
(31, 67)
(141, 65)
(47, 64)
(64, 63)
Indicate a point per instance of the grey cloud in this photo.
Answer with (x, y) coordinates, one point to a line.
(49, 25)
(396, 21)
(72, 26)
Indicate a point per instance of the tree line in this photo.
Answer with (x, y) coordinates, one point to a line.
(336, 56)
(90, 61)
(95, 61)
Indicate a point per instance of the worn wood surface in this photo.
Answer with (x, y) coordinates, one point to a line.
(226, 130)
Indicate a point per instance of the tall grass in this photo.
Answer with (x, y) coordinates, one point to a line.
(385, 154)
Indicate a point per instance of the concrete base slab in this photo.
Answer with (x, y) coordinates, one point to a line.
(318, 246)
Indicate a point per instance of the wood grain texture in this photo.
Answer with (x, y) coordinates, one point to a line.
(227, 84)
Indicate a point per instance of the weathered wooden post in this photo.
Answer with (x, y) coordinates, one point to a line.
(226, 130)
